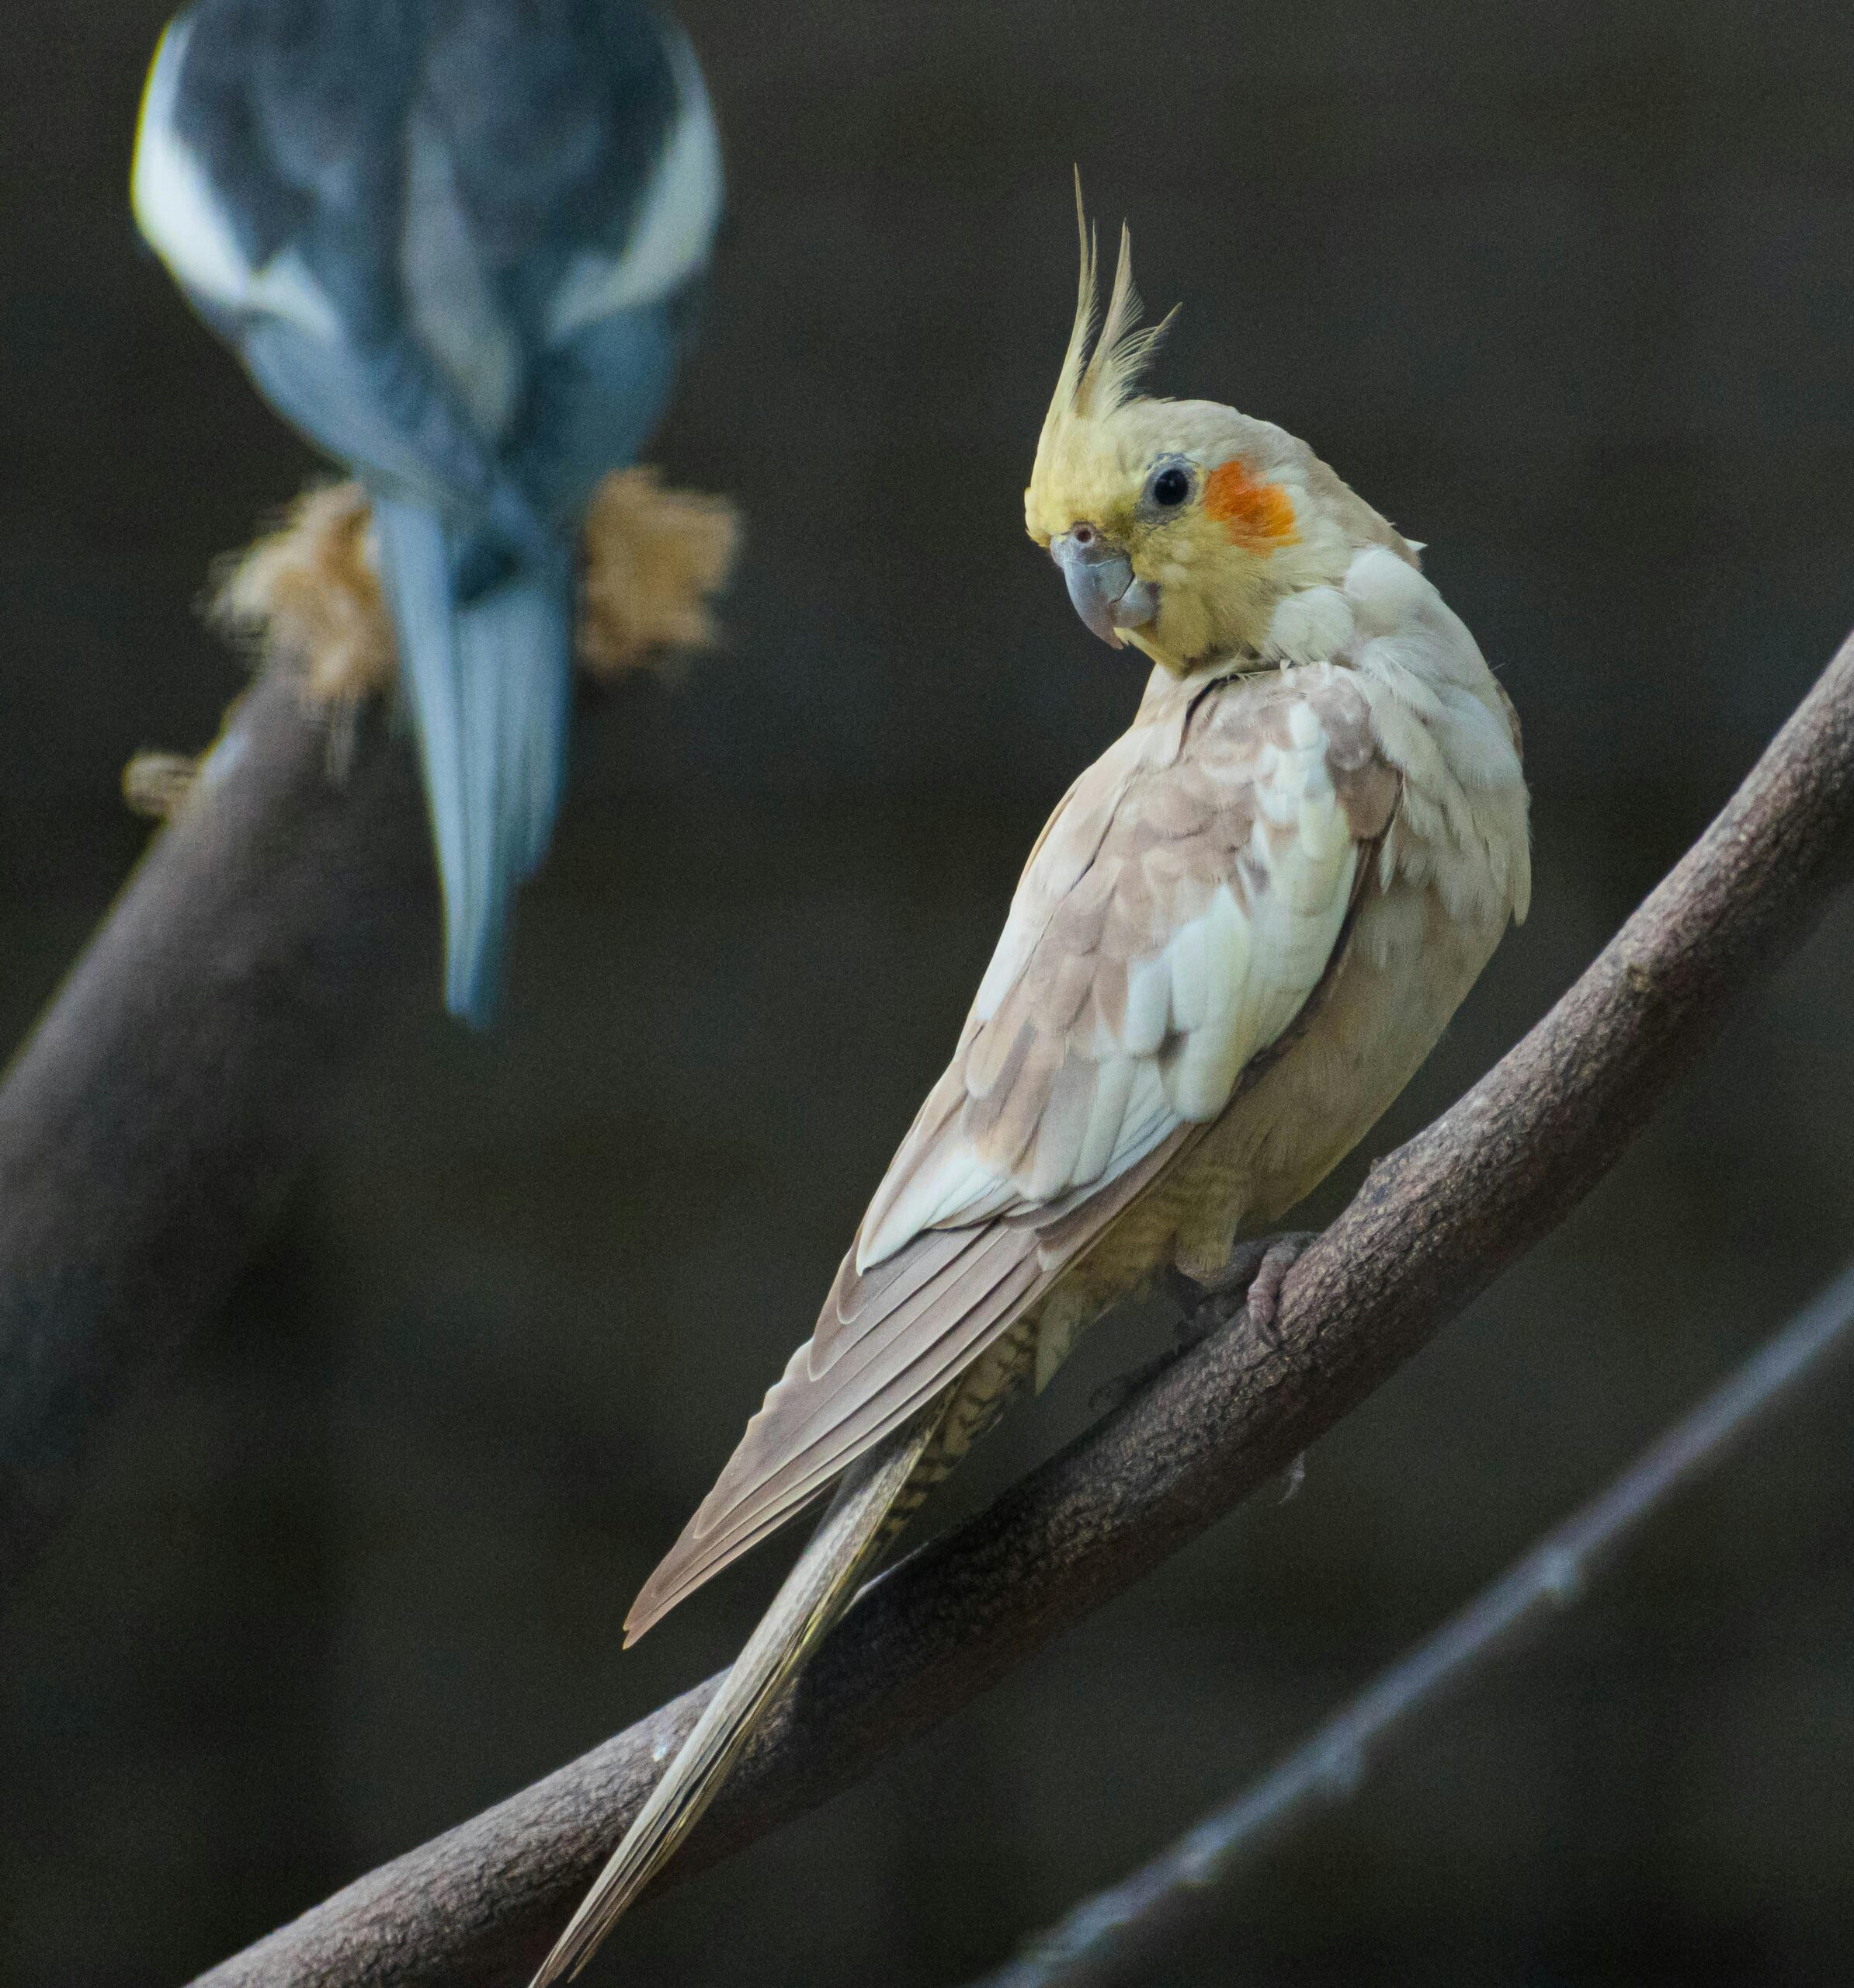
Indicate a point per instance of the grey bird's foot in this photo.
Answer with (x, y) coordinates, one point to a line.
(1251, 1279)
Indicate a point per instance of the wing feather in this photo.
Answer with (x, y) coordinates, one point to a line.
(1177, 915)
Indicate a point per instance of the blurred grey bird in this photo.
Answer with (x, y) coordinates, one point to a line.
(457, 244)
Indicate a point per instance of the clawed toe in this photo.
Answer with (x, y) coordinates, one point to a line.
(1251, 1281)
(1264, 1299)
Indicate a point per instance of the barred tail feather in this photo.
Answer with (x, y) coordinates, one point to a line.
(489, 683)
(815, 1594)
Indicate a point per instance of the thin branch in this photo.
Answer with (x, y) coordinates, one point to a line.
(152, 1121)
(1117, 1935)
(1432, 1226)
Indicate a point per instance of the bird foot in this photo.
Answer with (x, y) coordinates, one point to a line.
(1251, 1280)
(308, 596)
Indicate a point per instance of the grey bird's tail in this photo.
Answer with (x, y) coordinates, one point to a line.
(489, 681)
(815, 1594)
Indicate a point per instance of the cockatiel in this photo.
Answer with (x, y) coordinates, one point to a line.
(457, 244)
(1243, 929)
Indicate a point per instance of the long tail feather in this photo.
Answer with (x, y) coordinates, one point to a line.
(490, 685)
(815, 1594)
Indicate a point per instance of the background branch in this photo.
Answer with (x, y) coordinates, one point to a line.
(156, 1113)
(153, 1119)
(1118, 1934)
(1433, 1225)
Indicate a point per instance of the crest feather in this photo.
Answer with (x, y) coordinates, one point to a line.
(1093, 383)
(1124, 348)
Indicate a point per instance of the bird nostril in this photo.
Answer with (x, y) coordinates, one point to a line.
(1083, 534)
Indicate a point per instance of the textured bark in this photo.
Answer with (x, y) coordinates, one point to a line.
(156, 1113)
(1434, 1224)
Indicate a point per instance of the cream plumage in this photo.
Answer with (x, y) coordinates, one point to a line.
(1243, 929)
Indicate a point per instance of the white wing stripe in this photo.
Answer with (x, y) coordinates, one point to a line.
(184, 224)
(1113, 1088)
(1148, 1005)
(676, 220)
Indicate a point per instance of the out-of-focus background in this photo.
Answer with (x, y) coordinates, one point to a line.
(1567, 291)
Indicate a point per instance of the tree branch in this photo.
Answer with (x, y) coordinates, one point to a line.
(1432, 1226)
(1118, 1934)
(152, 1120)
(158, 1111)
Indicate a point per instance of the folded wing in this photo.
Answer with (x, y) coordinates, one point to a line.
(1178, 913)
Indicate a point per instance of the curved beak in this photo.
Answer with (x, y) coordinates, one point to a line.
(1101, 584)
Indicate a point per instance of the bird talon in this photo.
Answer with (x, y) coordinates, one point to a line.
(1251, 1281)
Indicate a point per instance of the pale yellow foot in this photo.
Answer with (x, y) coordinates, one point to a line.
(1250, 1281)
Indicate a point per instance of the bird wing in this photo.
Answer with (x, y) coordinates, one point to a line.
(399, 219)
(1176, 916)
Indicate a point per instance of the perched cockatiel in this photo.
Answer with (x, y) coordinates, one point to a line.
(1244, 928)
(455, 244)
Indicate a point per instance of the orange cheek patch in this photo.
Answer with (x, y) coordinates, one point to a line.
(1259, 514)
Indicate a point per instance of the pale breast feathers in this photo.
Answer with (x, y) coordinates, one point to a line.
(1175, 917)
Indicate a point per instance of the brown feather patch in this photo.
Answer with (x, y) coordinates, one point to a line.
(654, 561)
(307, 597)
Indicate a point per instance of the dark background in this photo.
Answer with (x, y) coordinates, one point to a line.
(1566, 291)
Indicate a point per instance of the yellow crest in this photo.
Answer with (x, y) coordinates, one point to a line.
(1098, 373)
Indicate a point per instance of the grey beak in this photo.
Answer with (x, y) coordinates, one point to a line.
(1101, 584)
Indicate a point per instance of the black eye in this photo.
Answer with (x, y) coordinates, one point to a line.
(1171, 487)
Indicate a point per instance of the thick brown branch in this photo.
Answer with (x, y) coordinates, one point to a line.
(1433, 1225)
(157, 1112)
